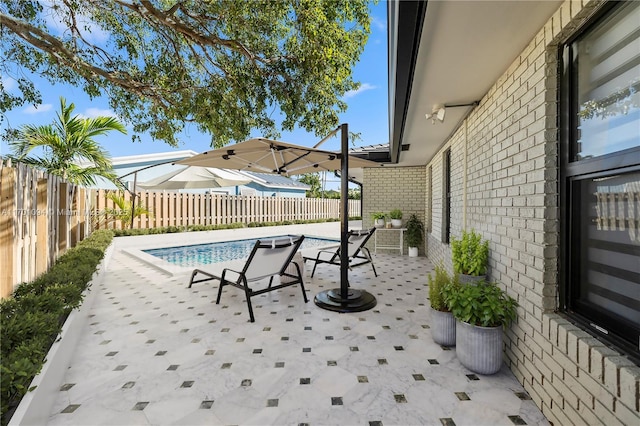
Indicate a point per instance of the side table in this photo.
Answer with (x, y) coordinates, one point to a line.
(391, 247)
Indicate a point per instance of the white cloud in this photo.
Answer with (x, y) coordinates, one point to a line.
(363, 88)
(90, 31)
(379, 24)
(97, 112)
(9, 83)
(33, 109)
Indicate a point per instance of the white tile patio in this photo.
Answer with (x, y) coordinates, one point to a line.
(155, 352)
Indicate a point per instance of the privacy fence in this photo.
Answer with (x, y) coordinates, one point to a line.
(183, 209)
(41, 216)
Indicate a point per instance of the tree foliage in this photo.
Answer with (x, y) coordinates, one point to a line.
(64, 143)
(225, 65)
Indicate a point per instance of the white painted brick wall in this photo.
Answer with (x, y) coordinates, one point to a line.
(512, 200)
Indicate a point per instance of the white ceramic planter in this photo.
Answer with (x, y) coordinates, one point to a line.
(413, 251)
(379, 223)
(479, 348)
(443, 328)
(396, 223)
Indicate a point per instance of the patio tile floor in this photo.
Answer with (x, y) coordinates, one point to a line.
(155, 352)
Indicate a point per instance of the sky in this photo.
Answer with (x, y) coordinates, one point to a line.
(366, 113)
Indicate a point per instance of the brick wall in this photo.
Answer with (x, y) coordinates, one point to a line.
(511, 198)
(392, 188)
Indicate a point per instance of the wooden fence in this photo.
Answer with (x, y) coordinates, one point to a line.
(183, 209)
(40, 217)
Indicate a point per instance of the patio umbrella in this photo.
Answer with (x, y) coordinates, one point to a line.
(195, 177)
(270, 156)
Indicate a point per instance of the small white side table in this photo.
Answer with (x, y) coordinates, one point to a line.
(391, 247)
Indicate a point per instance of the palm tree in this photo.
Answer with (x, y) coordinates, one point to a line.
(64, 143)
(122, 211)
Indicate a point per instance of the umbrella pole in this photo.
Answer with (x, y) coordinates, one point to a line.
(345, 299)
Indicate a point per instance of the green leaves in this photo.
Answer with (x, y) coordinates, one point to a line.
(470, 255)
(31, 320)
(441, 285)
(415, 231)
(223, 65)
(65, 142)
(484, 304)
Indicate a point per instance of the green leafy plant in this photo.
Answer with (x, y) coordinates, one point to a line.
(441, 284)
(32, 318)
(415, 231)
(485, 305)
(395, 214)
(378, 215)
(470, 254)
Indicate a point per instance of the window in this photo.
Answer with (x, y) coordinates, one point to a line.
(600, 174)
(446, 194)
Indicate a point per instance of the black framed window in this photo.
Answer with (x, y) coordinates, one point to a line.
(446, 195)
(600, 175)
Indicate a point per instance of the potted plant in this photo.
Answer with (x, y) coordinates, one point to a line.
(414, 233)
(443, 324)
(396, 218)
(378, 219)
(470, 256)
(481, 311)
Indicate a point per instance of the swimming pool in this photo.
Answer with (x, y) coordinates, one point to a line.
(206, 254)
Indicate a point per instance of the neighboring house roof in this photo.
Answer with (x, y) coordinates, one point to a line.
(449, 54)
(275, 181)
(378, 152)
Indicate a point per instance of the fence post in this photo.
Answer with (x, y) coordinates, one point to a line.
(7, 213)
(42, 230)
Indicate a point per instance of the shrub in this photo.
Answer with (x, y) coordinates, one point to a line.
(31, 320)
(440, 285)
(484, 304)
(470, 254)
(395, 214)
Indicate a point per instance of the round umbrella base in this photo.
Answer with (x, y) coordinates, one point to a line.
(356, 301)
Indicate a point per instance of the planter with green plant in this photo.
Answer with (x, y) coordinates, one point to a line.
(414, 234)
(443, 324)
(396, 218)
(378, 219)
(470, 256)
(481, 311)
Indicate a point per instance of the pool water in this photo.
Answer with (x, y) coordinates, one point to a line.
(206, 254)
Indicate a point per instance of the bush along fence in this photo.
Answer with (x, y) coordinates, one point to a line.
(167, 209)
(41, 216)
(31, 320)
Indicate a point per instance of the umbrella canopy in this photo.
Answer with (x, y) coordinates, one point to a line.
(195, 177)
(270, 156)
(266, 155)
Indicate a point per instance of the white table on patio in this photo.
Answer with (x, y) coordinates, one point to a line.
(388, 246)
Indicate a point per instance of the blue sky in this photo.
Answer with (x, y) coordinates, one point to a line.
(366, 113)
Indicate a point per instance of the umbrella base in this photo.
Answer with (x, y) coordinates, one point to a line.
(356, 301)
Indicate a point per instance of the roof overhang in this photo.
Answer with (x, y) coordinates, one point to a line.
(450, 57)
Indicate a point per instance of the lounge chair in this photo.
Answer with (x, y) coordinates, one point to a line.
(268, 259)
(358, 253)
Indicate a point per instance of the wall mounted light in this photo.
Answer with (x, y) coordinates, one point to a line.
(437, 114)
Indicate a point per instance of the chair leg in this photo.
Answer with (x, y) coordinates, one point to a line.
(193, 275)
(315, 264)
(222, 284)
(304, 292)
(367, 253)
(247, 293)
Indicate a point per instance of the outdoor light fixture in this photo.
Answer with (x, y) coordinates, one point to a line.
(437, 113)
